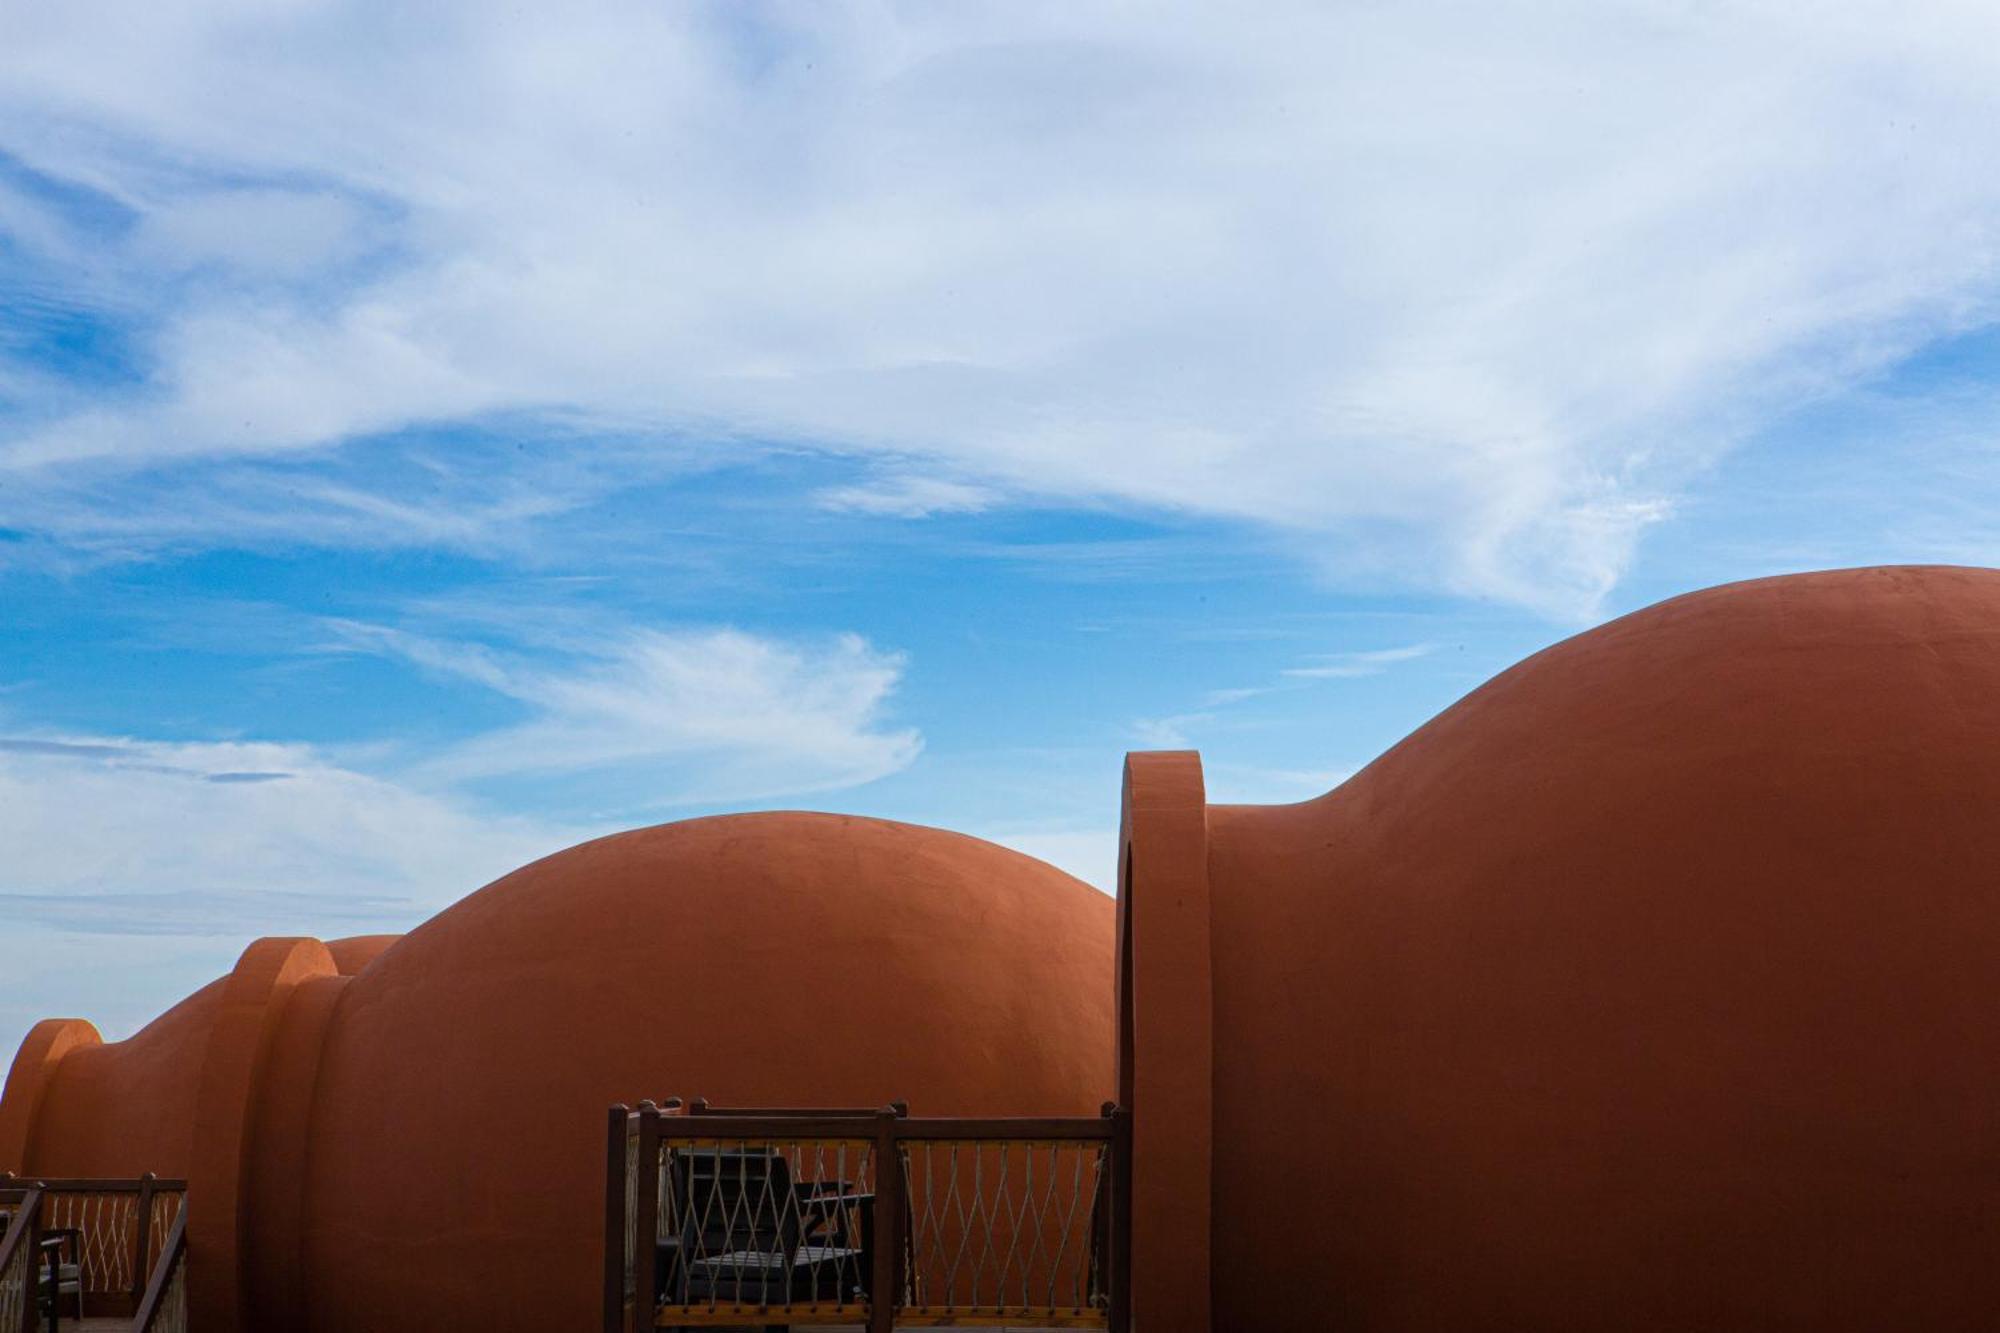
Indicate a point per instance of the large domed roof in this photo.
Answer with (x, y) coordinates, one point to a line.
(756, 959)
(1650, 984)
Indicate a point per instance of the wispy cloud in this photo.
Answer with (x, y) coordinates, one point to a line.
(115, 835)
(1459, 295)
(1252, 784)
(1218, 698)
(1174, 732)
(1343, 666)
(907, 497)
(690, 715)
(111, 834)
(1168, 733)
(196, 911)
(133, 758)
(137, 870)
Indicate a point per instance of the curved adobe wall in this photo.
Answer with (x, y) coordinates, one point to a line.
(123, 1108)
(1651, 985)
(273, 1255)
(456, 1159)
(201, 1092)
(28, 1083)
(356, 952)
(127, 1107)
(1166, 1036)
(229, 1102)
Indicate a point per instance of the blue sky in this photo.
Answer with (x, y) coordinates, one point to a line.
(427, 442)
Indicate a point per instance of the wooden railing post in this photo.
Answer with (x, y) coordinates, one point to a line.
(160, 1286)
(24, 1230)
(31, 1317)
(646, 1211)
(885, 1287)
(142, 1237)
(614, 1221)
(1120, 1258)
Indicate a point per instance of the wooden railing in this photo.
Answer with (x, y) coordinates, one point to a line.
(20, 1257)
(118, 1225)
(163, 1307)
(114, 1231)
(771, 1216)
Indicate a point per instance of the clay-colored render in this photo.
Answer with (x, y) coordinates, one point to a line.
(122, 1108)
(1650, 986)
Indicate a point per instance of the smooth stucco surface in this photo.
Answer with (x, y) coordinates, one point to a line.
(1650, 986)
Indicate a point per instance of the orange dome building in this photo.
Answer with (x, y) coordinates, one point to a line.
(1652, 985)
(417, 1142)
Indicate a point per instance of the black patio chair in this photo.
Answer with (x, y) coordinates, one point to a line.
(58, 1281)
(746, 1233)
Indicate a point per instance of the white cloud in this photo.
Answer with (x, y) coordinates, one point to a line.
(1236, 695)
(1174, 732)
(907, 497)
(116, 834)
(258, 233)
(113, 835)
(1168, 733)
(1345, 666)
(137, 870)
(683, 716)
(1457, 293)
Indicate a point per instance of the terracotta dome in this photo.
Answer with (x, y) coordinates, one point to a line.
(1652, 985)
(455, 1162)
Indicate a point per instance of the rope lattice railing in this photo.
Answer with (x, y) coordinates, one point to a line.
(107, 1229)
(162, 1212)
(1005, 1229)
(120, 1228)
(774, 1216)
